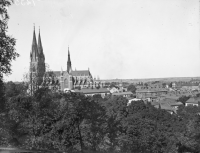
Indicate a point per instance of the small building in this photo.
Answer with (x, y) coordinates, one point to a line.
(190, 87)
(114, 90)
(193, 101)
(173, 85)
(176, 105)
(91, 92)
(124, 94)
(150, 92)
(166, 107)
(171, 96)
(170, 105)
(149, 98)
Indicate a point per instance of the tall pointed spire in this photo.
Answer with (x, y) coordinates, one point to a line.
(34, 50)
(69, 65)
(40, 48)
(69, 60)
(61, 72)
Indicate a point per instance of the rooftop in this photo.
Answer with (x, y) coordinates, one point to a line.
(122, 93)
(91, 91)
(74, 73)
(171, 96)
(81, 73)
(193, 100)
(151, 90)
(176, 104)
(165, 107)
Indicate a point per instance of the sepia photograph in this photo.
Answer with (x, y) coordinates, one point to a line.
(100, 76)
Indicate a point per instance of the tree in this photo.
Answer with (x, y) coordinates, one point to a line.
(146, 84)
(93, 125)
(2, 96)
(12, 89)
(164, 85)
(183, 99)
(7, 50)
(131, 88)
(170, 85)
(57, 121)
(116, 111)
(189, 136)
(113, 84)
(198, 95)
(7, 43)
(147, 129)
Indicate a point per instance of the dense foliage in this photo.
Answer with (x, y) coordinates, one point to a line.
(131, 88)
(7, 49)
(183, 99)
(71, 122)
(7, 43)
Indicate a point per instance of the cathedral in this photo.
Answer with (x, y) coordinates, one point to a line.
(56, 80)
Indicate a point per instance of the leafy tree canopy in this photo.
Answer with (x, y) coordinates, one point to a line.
(131, 88)
(13, 89)
(183, 99)
(7, 43)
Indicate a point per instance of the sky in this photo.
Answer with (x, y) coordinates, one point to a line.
(124, 39)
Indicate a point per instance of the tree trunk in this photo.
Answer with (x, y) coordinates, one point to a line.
(80, 138)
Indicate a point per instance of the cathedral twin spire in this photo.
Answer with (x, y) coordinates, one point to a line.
(37, 64)
(40, 48)
(37, 49)
(69, 64)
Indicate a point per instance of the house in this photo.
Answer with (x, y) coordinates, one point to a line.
(149, 98)
(172, 102)
(170, 105)
(173, 85)
(176, 105)
(164, 104)
(126, 94)
(166, 107)
(91, 92)
(150, 92)
(193, 101)
(190, 87)
(171, 96)
(114, 90)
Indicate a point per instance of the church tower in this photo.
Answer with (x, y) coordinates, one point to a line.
(69, 71)
(69, 65)
(37, 63)
(33, 63)
(34, 51)
(41, 60)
